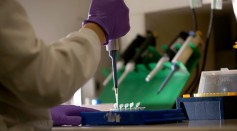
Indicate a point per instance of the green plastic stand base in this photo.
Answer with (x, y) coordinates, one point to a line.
(135, 89)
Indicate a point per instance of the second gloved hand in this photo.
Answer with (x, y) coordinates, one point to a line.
(68, 114)
(111, 15)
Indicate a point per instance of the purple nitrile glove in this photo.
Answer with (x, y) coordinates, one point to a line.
(111, 15)
(68, 114)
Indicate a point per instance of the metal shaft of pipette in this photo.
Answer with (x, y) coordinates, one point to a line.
(119, 66)
(112, 49)
(175, 67)
(112, 55)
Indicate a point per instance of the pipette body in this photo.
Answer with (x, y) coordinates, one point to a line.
(186, 51)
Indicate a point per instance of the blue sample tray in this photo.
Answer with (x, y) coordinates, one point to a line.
(209, 108)
(141, 117)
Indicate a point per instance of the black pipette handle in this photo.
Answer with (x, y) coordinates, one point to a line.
(150, 40)
(131, 49)
(170, 51)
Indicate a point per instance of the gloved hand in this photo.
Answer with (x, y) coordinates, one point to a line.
(68, 114)
(111, 15)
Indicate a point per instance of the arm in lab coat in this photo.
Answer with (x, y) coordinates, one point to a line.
(37, 73)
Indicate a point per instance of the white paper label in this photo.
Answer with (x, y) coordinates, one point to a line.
(195, 3)
(216, 4)
(234, 4)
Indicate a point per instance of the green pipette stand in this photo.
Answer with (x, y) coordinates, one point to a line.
(135, 89)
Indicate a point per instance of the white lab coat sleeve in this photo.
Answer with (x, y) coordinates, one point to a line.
(40, 74)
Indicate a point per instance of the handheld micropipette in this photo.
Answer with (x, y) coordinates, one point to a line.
(112, 48)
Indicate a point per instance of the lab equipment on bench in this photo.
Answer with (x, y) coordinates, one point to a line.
(135, 89)
(126, 56)
(221, 81)
(209, 108)
(216, 98)
(112, 48)
(169, 54)
(183, 55)
(128, 107)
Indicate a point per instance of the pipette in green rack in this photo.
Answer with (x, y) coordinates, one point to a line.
(183, 55)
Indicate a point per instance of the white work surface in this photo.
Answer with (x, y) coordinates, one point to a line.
(197, 125)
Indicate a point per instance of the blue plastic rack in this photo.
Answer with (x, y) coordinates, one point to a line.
(141, 117)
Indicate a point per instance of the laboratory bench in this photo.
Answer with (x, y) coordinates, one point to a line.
(192, 125)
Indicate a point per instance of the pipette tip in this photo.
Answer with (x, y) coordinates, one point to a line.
(148, 78)
(116, 95)
(116, 90)
(159, 90)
